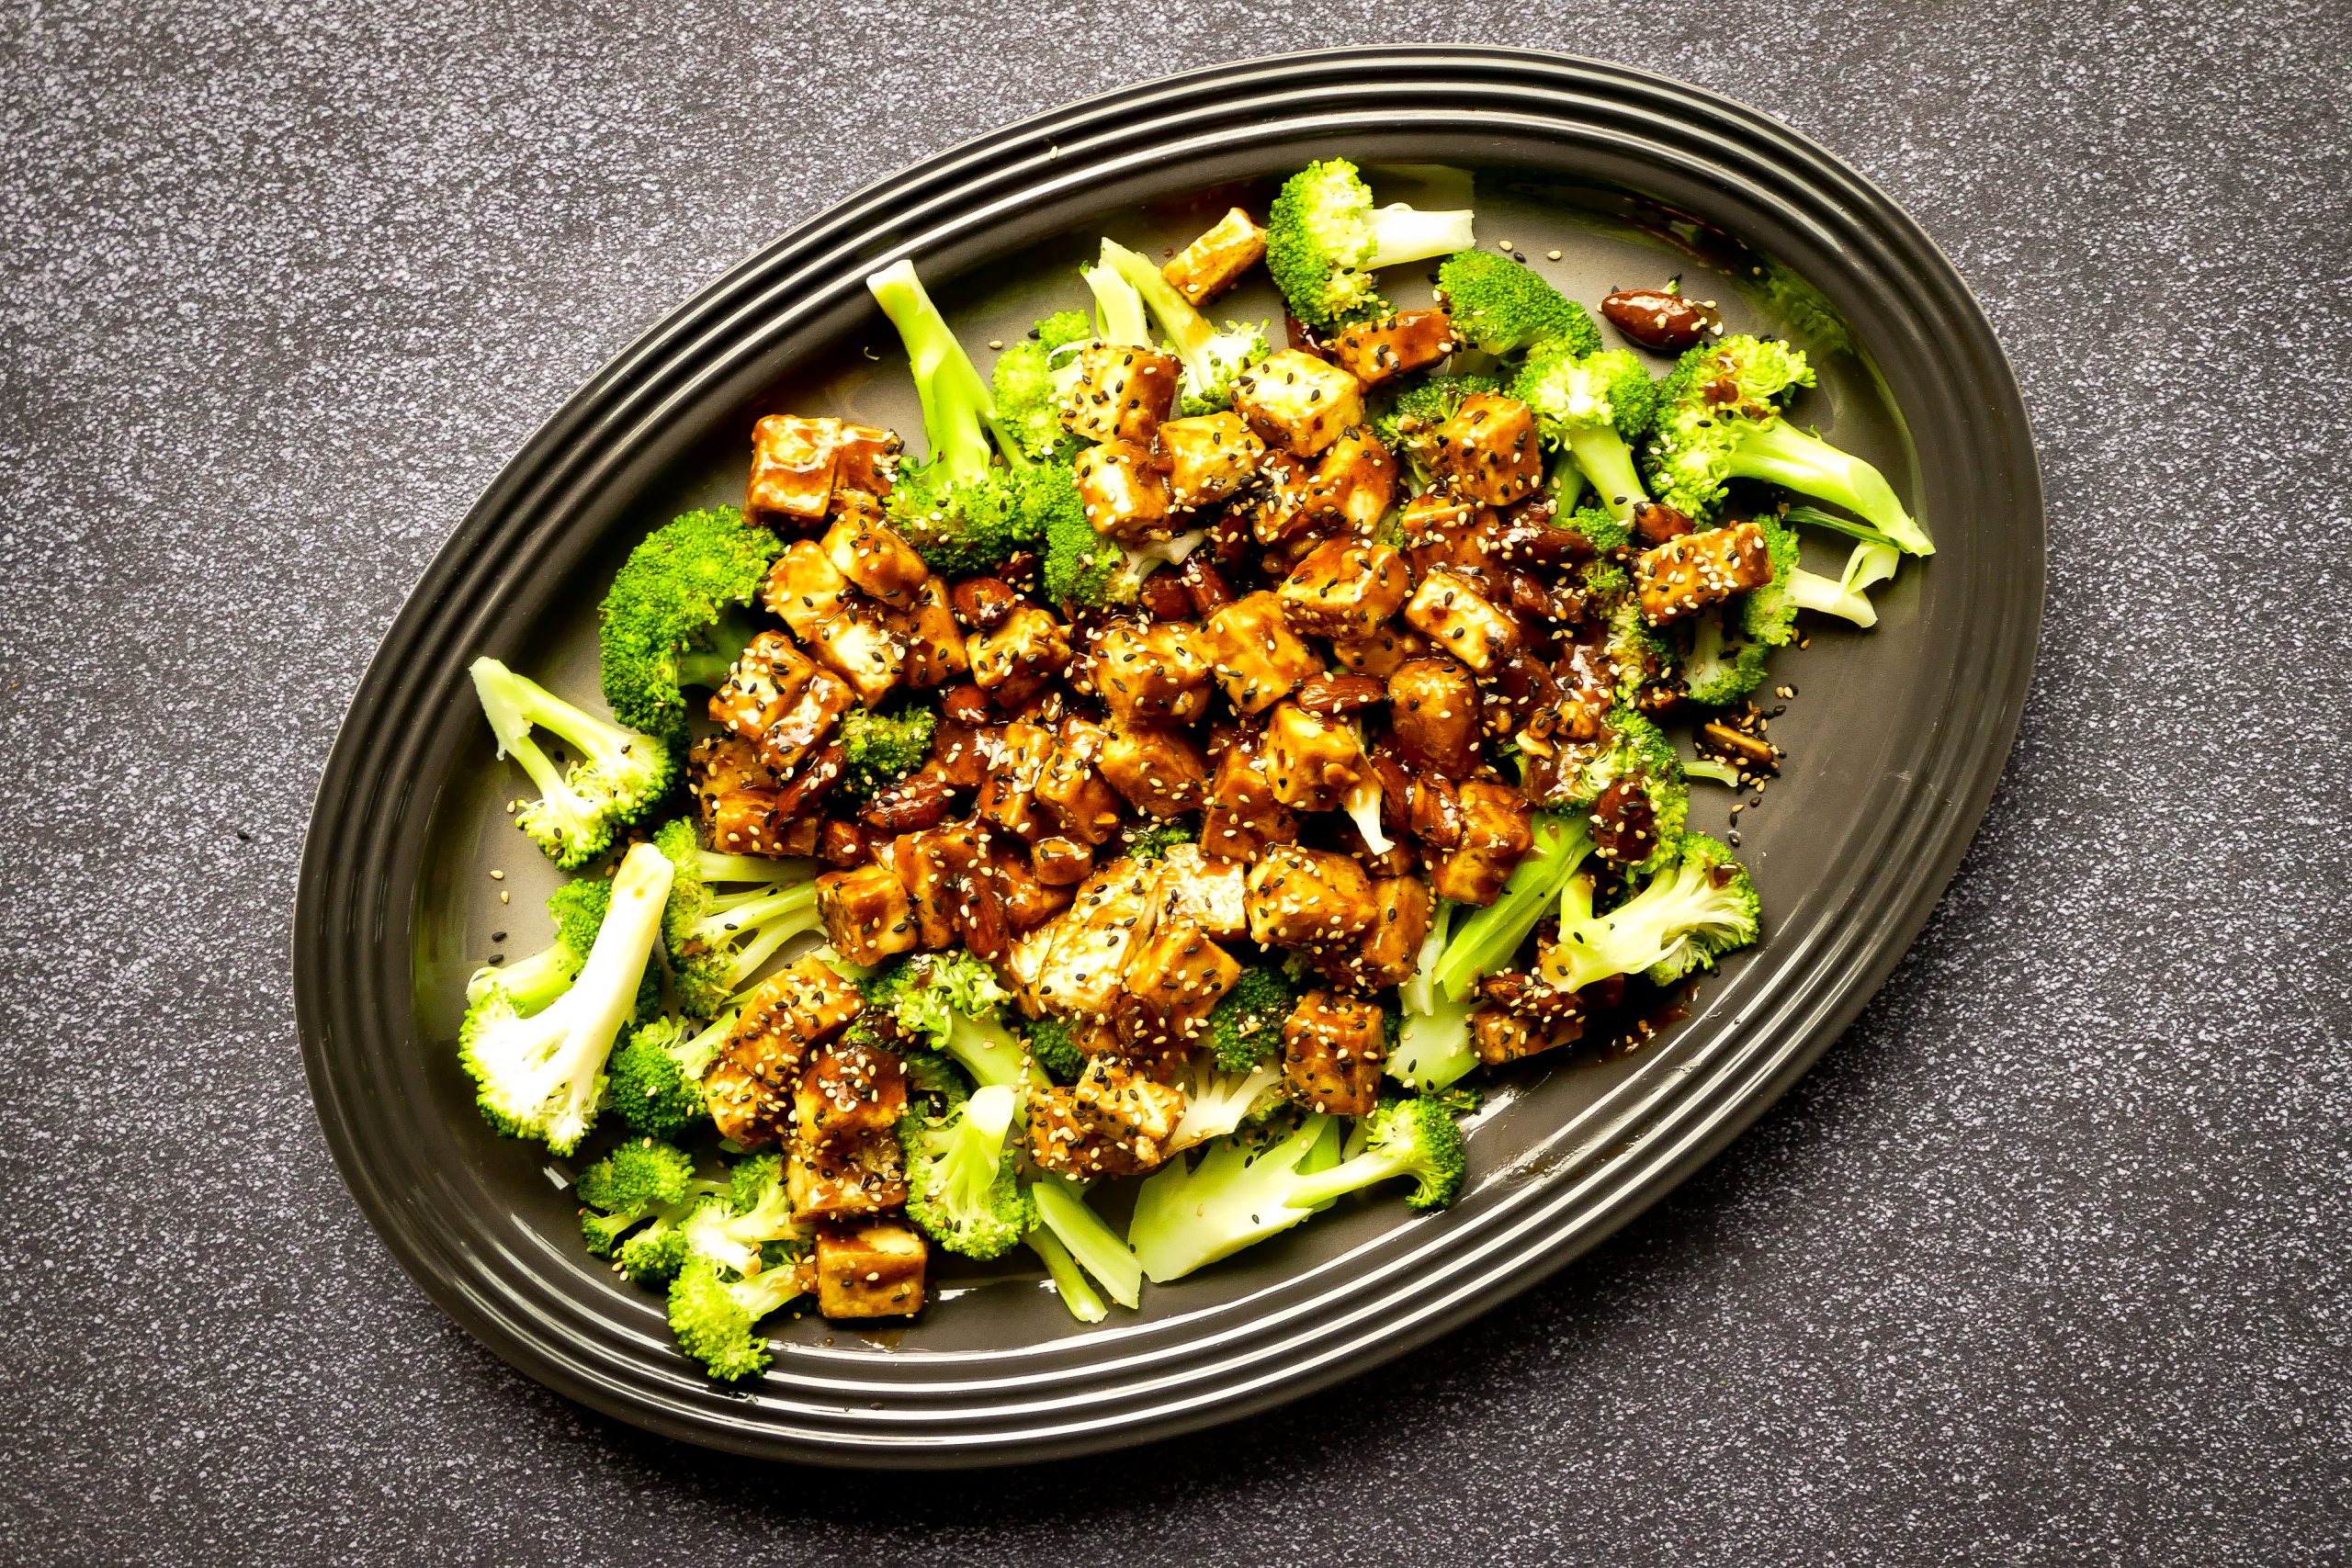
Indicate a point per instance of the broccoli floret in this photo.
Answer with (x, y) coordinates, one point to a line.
(638, 1181)
(1638, 654)
(1606, 534)
(1413, 1137)
(962, 513)
(743, 1226)
(1638, 753)
(715, 1312)
(1084, 570)
(1717, 670)
(1324, 240)
(1211, 358)
(1432, 1047)
(962, 1189)
(1502, 307)
(620, 777)
(1054, 1048)
(881, 748)
(1592, 406)
(1719, 420)
(1769, 615)
(1699, 908)
(952, 1002)
(541, 1076)
(1028, 405)
(1245, 1025)
(1218, 1102)
(1485, 941)
(674, 615)
(718, 941)
(1062, 1210)
(657, 1077)
(1408, 424)
(1154, 840)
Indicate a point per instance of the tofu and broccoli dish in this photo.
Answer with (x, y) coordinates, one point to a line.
(1226, 746)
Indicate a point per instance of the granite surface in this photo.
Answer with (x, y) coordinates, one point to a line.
(2047, 1262)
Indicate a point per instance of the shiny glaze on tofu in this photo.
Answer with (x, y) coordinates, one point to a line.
(1434, 713)
(1125, 493)
(1154, 673)
(1393, 345)
(1113, 1122)
(1298, 402)
(1379, 654)
(1693, 571)
(1122, 393)
(1210, 264)
(1306, 898)
(1496, 832)
(1345, 588)
(867, 913)
(1016, 757)
(1333, 1053)
(795, 1008)
(1500, 1036)
(1388, 950)
(803, 589)
(846, 1181)
(1489, 451)
(1313, 760)
(871, 554)
(1159, 771)
(1075, 798)
(1258, 659)
(1208, 457)
(1354, 484)
(793, 461)
(1207, 892)
(934, 643)
(1071, 966)
(1449, 610)
(849, 1091)
(746, 1108)
(860, 646)
(1243, 817)
(1174, 977)
(924, 865)
(1013, 662)
(872, 1270)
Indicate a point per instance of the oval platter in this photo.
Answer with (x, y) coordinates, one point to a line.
(1894, 745)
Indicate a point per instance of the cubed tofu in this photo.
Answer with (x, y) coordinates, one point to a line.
(1159, 771)
(1433, 712)
(1313, 760)
(1075, 798)
(1448, 609)
(867, 913)
(1154, 672)
(873, 555)
(1308, 898)
(744, 1107)
(1278, 512)
(934, 642)
(1243, 817)
(1496, 833)
(793, 465)
(1175, 976)
(1071, 966)
(1013, 662)
(1198, 888)
(766, 675)
(1017, 758)
(1380, 654)
(1388, 950)
(1125, 493)
(1029, 901)
(1488, 452)
(1058, 862)
(803, 589)
(1209, 265)
(1209, 456)
(1355, 483)
(1345, 587)
(849, 1091)
(801, 727)
(1122, 393)
(1258, 658)
(860, 645)
(874, 1269)
(923, 867)
(1113, 1122)
(868, 464)
(1333, 1053)
(1498, 1036)
(846, 1181)
(1694, 570)
(1298, 402)
(1393, 345)
(1432, 516)
(792, 1010)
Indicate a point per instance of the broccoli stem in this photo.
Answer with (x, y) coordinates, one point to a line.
(532, 982)
(1779, 453)
(1604, 459)
(1489, 938)
(1186, 327)
(1069, 1280)
(990, 1053)
(1811, 591)
(1118, 309)
(1063, 1210)
(715, 866)
(515, 705)
(1713, 767)
(957, 408)
(1351, 1175)
(1401, 234)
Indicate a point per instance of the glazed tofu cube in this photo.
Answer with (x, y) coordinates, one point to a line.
(1498, 1036)
(791, 1011)
(1694, 570)
(867, 913)
(1308, 898)
(874, 1269)
(797, 735)
(1029, 901)
(793, 463)
(1243, 817)
(1345, 587)
(1496, 833)
(1380, 654)
(1154, 673)
(1016, 760)
(846, 1181)
(871, 554)
(1393, 345)
(934, 643)
(1122, 394)
(1354, 483)
(849, 1091)
(1113, 1122)
(1258, 658)
(1209, 456)
(1278, 512)
(766, 675)
(1488, 450)
(1432, 516)
(1448, 609)
(1071, 966)
(1061, 862)
(1313, 759)
(744, 1107)
(1209, 265)
(803, 589)
(1433, 712)
(1200, 889)
(867, 464)
(1298, 402)
(1174, 976)
(1158, 771)
(1388, 950)
(1333, 1053)
(859, 646)
(924, 867)
(1013, 662)
(1124, 491)
(1075, 798)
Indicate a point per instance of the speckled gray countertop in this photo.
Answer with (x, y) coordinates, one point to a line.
(2046, 1262)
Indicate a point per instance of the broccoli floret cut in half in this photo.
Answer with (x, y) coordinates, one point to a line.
(717, 942)
(1500, 307)
(1701, 906)
(620, 775)
(1325, 239)
(640, 1182)
(578, 910)
(675, 615)
(962, 1186)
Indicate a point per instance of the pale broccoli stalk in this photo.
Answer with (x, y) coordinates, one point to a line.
(541, 1076)
(1362, 802)
(620, 777)
(1069, 1280)
(1217, 1102)
(1063, 1210)
(755, 1212)
(1118, 309)
(1593, 405)
(718, 941)
(1433, 1049)
(1683, 918)
(1211, 358)
(1486, 940)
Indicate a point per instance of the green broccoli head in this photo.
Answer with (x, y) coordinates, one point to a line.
(881, 748)
(1027, 404)
(1687, 915)
(718, 941)
(620, 775)
(1324, 239)
(636, 1181)
(1154, 840)
(1571, 392)
(657, 1077)
(715, 1312)
(1082, 570)
(962, 1189)
(1055, 1048)
(738, 1226)
(1722, 912)
(1637, 752)
(673, 616)
(578, 909)
(1409, 423)
(1601, 530)
(1499, 306)
(961, 526)
(1246, 1026)
(1720, 668)
(1717, 395)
